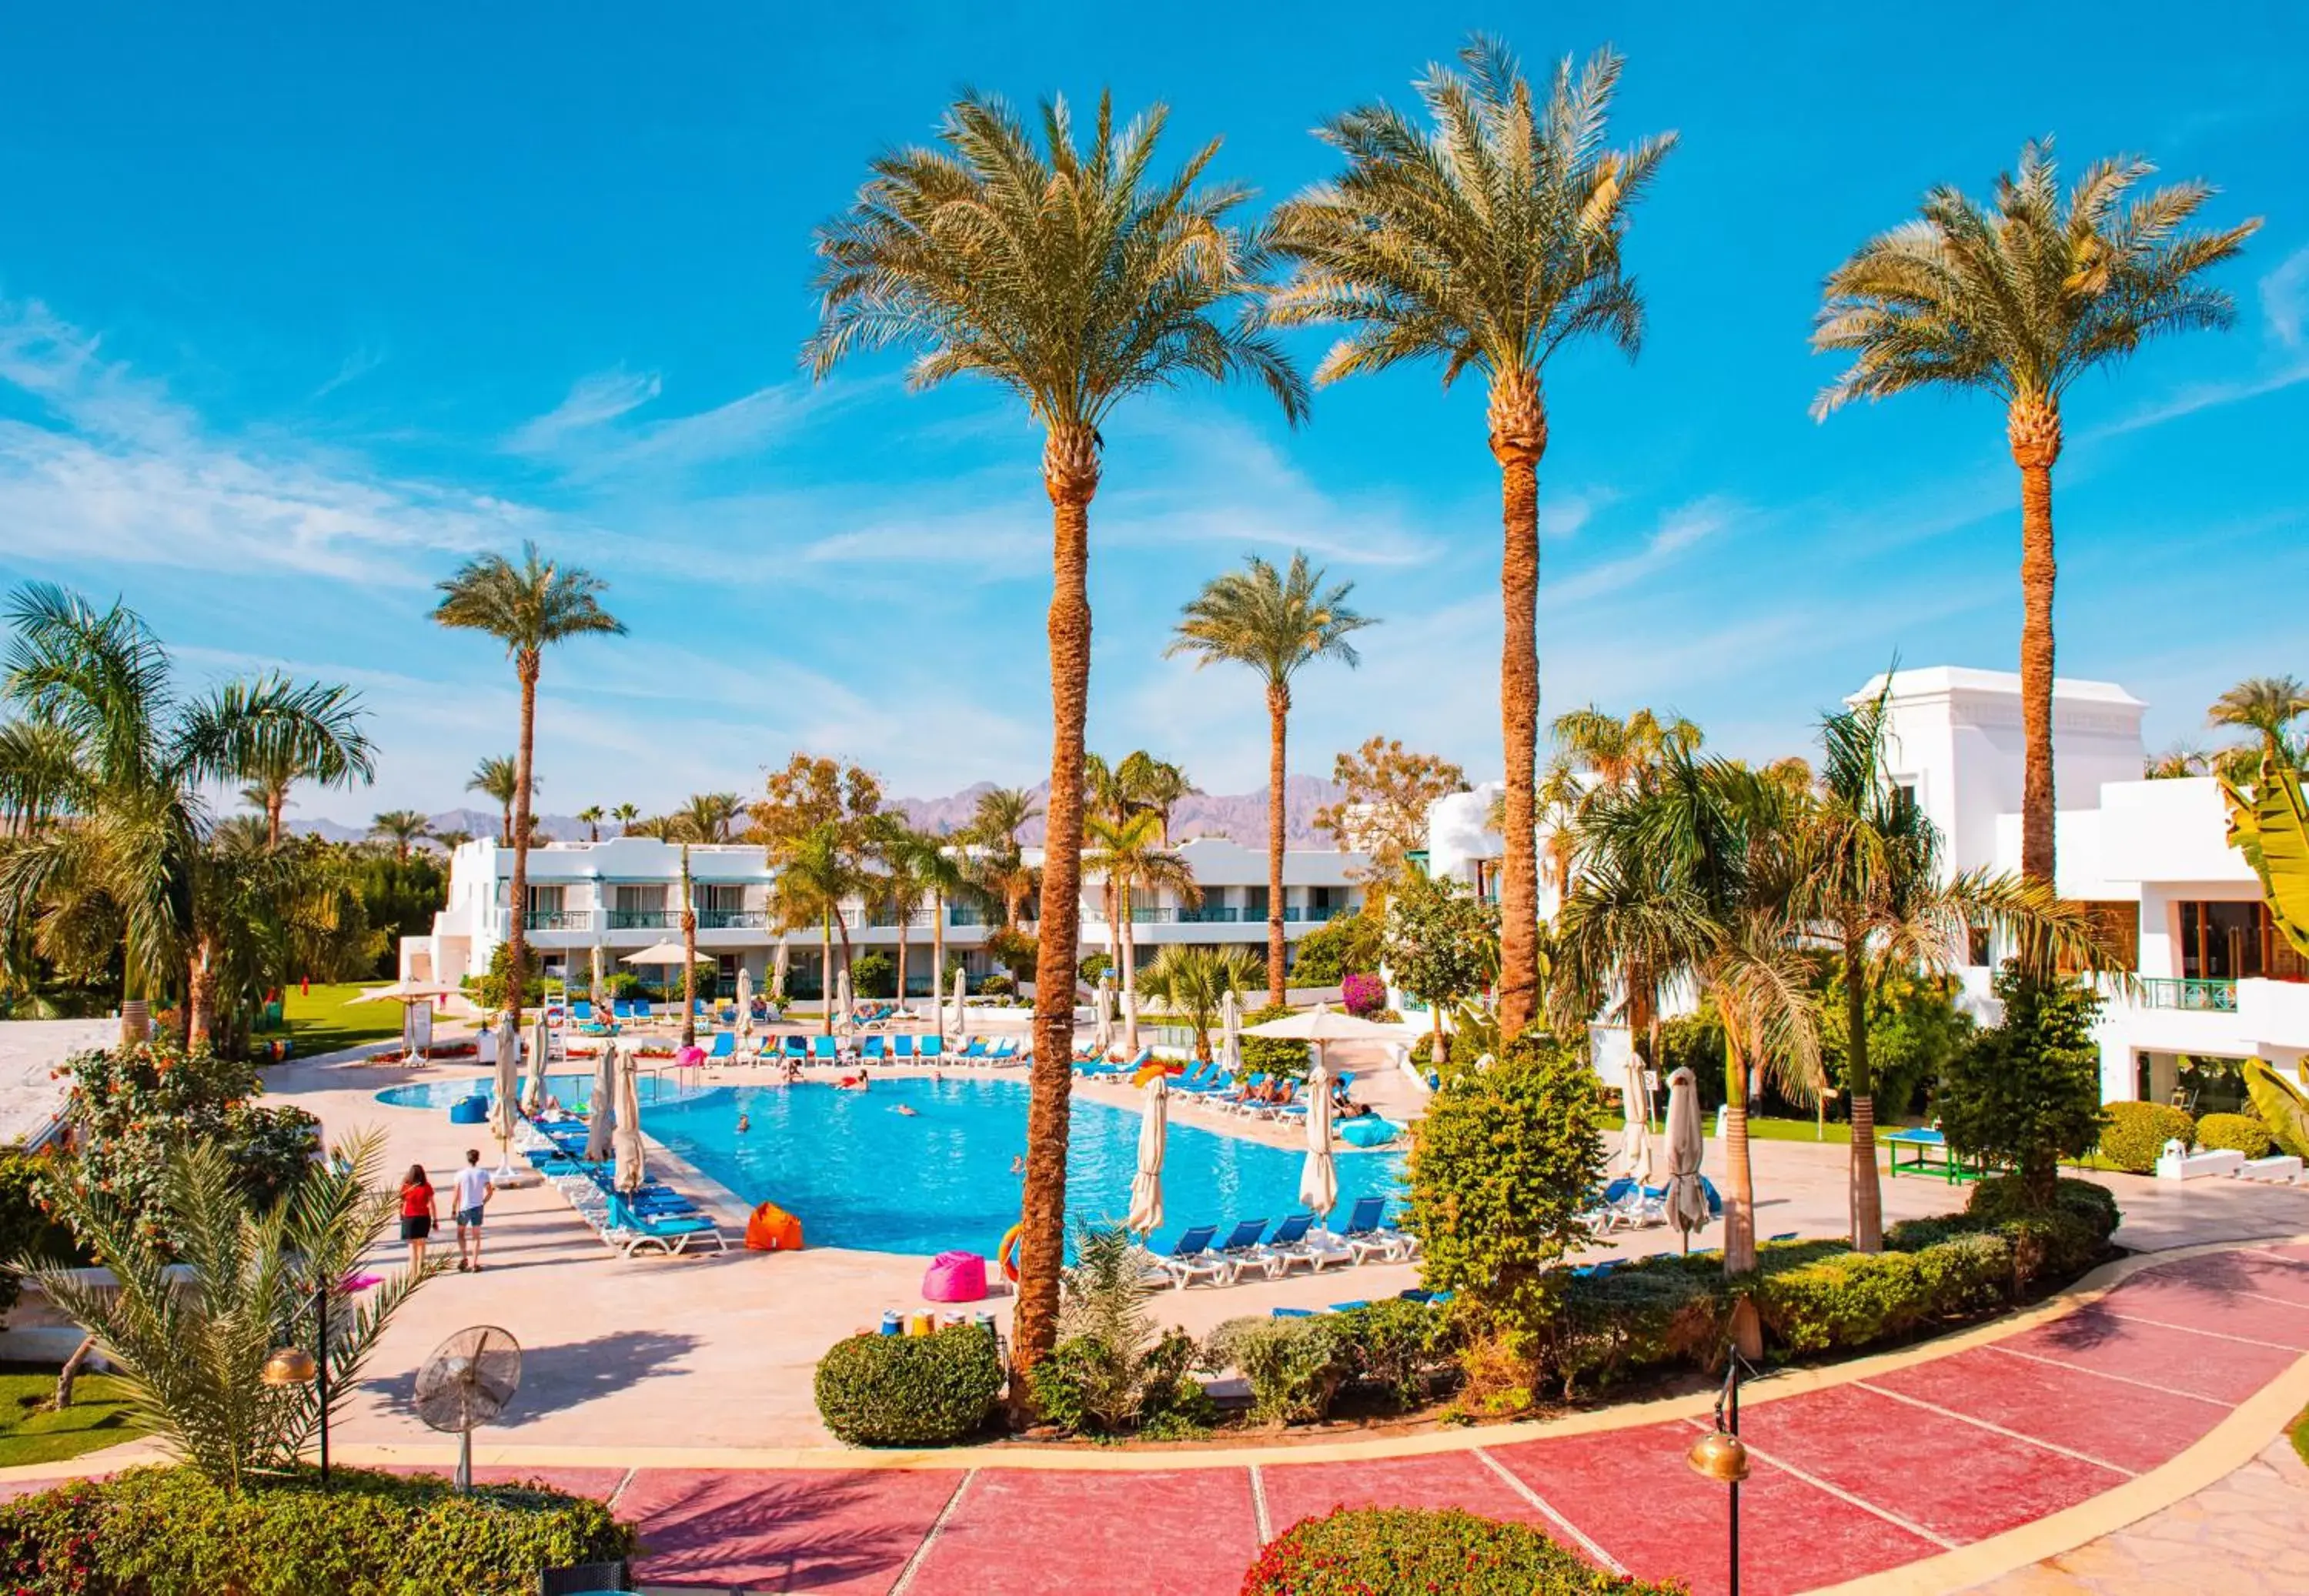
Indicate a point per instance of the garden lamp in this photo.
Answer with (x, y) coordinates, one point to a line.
(1721, 1455)
(294, 1366)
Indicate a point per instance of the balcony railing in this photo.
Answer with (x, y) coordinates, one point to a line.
(2207, 998)
(645, 919)
(731, 919)
(558, 919)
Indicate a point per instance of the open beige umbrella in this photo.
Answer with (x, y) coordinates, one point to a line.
(658, 952)
(632, 1162)
(602, 1110)
(1319, 1177)
(408, 992)
(1154, 1135)
(1687, 1198)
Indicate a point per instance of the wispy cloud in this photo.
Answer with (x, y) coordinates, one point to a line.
(1679, 530)
(2284, 295)
(351, 369)
(2285, 298)
(106, 466)
(591, 402)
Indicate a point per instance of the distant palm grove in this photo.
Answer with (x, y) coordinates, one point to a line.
(1070, 263)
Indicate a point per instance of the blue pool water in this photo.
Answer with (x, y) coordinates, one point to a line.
(859, 1174)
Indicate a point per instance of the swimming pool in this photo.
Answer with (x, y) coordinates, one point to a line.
(859, 1174)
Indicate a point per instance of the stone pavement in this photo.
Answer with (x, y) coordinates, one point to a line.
(2245, 1535)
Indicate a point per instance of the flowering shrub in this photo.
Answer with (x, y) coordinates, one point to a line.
(130, 1107)
(1364, 994)
(1373, 1551)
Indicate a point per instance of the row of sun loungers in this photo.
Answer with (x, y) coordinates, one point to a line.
(637, 1011)
(1627, 1204)
(655, 1219)
(1197, 1255)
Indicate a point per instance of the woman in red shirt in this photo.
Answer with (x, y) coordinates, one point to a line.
(418, 1212)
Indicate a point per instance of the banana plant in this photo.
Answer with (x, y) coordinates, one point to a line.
(2280, 1105)
(2270, 825)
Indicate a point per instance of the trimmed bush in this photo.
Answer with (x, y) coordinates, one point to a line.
(1272, 1055)
(2236, 1133)
(910, 1390)
(1354, 1552)
(168, 1532)
(1848, 1300)
(1395, 1349)
(2066, 1240)
(1085, 1387)
(1660, 1310)
(2136, 1133)
(1294, 1367)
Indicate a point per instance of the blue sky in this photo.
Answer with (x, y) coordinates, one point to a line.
(299, 308)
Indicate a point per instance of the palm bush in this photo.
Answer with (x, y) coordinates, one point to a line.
(1192, 984)
(189, 1325)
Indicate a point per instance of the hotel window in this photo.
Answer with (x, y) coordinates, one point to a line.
(720, 898)
(2230, 940)
(1254, 903)
(633, 896)
(545, 899)
(2116, 925)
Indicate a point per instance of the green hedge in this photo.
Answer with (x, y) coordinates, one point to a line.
(1359, 1552)
(2236, 1133)
(910, 1390)
(168, 1532)
(2136, 1133)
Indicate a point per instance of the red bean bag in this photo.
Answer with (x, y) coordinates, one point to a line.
(770, 1229)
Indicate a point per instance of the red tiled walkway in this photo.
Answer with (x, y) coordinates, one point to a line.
(1850, 1480)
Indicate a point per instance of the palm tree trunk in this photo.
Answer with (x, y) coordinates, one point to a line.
(1518, 423)
(937, 967)
(826, 966)
(2033, 426)
(1867, 1198)
(1739, 1179)
(689, 955)
(518, 981)
(1278, 713)
(1130, 972)
(905, 912)
(1070, 476)
(200, 997)
(273, 799)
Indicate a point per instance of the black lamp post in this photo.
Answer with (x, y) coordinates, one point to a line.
(293, 1365)
(1720, 1455)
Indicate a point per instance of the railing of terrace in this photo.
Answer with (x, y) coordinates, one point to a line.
(2198, 996)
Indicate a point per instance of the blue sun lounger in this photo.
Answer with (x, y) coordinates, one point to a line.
(1191, 1259)
(870, 1050)
(901, 1048)
(794, 1046)
(824, 1050)
(725, 1046)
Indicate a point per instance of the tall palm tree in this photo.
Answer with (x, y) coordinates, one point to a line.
(995, 822)
(291, 734)
(1692, 878)
(898, 851)
(815, 878)
(625, 815)
(1490, 242)
(1869, 882)
(591, 817)
(711, 816)
(2267, 706)
(1274, 622)
(1129, 855)
(498, 777)
(101, 771)
(1074, 278)
(528, 608)
(1153, 784)
(2020, 297)
(404, 828)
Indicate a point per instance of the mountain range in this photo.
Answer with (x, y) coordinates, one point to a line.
(1239, 816)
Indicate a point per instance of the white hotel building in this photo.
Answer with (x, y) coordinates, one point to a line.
(2217, 982)
(622, 894)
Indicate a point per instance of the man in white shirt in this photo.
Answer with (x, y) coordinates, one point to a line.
(473, 1193)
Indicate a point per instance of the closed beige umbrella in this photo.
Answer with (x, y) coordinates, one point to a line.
(1635, 1129)
(632, 1162)
(1154, 1136)
(532, 1083)
(1687, 1198)
(961, 1014)
(1230, 1024)
(602, 1110)
(507, 1089)
(745, 1001)
(845, 1017)
(1319, 1177)
(1105, 999)
(599, 991)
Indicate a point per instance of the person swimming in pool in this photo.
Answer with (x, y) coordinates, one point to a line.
(1018, 1165)
(744, 1124)
(903, 1109)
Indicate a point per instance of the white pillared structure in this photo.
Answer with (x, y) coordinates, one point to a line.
(2217, 981)
(622, 894)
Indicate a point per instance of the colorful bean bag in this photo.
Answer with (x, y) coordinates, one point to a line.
(955, 1277)
(770, 1229)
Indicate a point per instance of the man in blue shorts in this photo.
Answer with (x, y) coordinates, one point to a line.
(473, 1193)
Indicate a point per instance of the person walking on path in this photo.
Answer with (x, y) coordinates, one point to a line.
(473, 1193)
(418, 1211)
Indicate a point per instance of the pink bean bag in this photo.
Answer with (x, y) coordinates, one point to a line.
(955, 1277)
(689, 1056)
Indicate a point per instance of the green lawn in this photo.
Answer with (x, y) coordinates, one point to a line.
(97, 1418)
(326, 1018)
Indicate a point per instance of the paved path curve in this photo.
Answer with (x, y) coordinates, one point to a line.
(1924, 1470)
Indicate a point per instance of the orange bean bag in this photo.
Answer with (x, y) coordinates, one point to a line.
(770, 1229)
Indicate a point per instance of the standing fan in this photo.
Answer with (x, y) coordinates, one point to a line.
(466, 1382)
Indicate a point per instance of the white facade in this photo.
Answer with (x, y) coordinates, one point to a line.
(623, 894)
(2152, 858)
